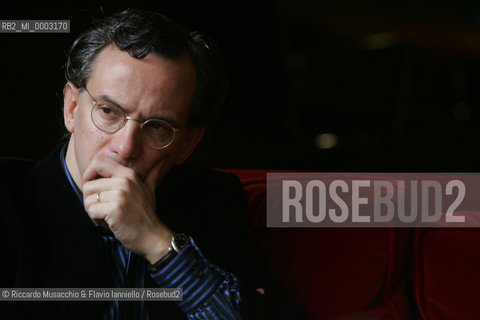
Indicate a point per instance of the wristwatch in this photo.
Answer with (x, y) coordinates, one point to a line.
(177, 243)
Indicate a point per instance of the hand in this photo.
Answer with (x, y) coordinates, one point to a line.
(127, 206)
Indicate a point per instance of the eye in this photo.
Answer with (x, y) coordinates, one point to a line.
(157, 126)
(107, 113)
(107, 110)
(158, 130)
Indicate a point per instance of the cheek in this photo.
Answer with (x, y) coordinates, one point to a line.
(153, 158)
(89, 141)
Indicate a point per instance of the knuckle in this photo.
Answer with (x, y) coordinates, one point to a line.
(132, 176)
(130, 173)
(117, 207)
(118, 193)
(89, 203)
(92, 212)
(93, 165)
(135, 177)
(109, 221)
(125, 182)
(86, 188)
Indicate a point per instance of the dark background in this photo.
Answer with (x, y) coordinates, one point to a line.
(321, 85)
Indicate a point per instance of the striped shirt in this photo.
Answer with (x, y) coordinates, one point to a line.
(208, 291)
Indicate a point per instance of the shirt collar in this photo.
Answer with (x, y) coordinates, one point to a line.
(69, 176)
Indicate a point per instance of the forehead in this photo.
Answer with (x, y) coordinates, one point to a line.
(152, 86)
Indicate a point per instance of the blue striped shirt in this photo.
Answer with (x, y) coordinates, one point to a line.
(208, 291)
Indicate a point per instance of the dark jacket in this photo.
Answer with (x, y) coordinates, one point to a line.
(47, 239)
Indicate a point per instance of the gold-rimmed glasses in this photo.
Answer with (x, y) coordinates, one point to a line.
(156, 133)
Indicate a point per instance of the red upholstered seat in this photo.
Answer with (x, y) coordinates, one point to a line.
(447, 276)
(333, 273)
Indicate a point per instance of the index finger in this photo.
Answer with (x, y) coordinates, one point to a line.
(100, 168)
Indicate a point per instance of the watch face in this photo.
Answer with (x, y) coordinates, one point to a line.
(179, 241)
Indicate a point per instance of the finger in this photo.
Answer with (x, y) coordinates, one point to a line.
(104, 213)
(102, 184)
(156, 174)
(105, 168)
(98, 197)
(95, 170)
(99, 211)
(94, 186)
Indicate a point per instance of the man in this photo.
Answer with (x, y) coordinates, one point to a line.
(108, 209)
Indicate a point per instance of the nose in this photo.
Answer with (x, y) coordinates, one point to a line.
(126, 142)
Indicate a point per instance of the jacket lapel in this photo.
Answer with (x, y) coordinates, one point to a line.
(70, 247)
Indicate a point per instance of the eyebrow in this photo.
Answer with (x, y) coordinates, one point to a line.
(106, 98)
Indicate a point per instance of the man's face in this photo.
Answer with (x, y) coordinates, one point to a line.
(153, 87)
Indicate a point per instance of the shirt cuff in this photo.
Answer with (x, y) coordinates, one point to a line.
(190, 271)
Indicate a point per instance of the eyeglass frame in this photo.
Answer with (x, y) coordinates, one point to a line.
(126, 118)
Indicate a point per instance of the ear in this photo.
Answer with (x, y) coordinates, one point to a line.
(189, 143)
(70, 103)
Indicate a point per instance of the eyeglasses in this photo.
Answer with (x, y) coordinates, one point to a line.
(156, 134)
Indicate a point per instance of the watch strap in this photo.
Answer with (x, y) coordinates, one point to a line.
(163, 262)
(177, 243)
